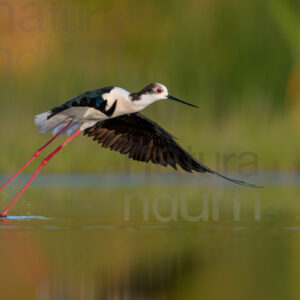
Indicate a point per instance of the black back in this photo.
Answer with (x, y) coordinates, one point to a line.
(88, 99)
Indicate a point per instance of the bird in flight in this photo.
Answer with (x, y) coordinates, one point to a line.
(111, 116)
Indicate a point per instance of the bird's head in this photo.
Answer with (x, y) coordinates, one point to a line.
(152, 93)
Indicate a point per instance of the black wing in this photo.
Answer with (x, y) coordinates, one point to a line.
(144, 140)
(88, 99)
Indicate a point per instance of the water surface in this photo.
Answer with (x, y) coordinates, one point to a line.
(161, 241)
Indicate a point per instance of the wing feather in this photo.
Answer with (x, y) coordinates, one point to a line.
(144, 140)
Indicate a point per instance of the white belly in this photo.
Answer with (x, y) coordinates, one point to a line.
(86, 116)
(83, 114)
(82, 117)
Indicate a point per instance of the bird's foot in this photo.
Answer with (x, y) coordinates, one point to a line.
(2, 215)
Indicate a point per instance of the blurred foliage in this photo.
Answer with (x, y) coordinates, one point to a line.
(238, 60)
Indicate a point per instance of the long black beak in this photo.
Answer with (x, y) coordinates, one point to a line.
(178, 100)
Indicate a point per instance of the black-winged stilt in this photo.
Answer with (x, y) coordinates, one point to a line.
(111, 116)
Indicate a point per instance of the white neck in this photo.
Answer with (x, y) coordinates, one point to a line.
(124, 104)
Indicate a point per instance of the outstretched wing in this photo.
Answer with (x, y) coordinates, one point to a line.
(144, 140)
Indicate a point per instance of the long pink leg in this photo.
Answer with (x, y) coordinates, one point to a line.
(35, 155)
(44, 162)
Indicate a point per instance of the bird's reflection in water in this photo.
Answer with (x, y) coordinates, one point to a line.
(149, 278)
(50, 259)
(49, 262)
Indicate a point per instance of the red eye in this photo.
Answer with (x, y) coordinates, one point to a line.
(158, 90)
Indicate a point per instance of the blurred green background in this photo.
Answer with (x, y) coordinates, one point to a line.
(238, 60)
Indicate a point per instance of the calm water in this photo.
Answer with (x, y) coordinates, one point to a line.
(160, 239)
